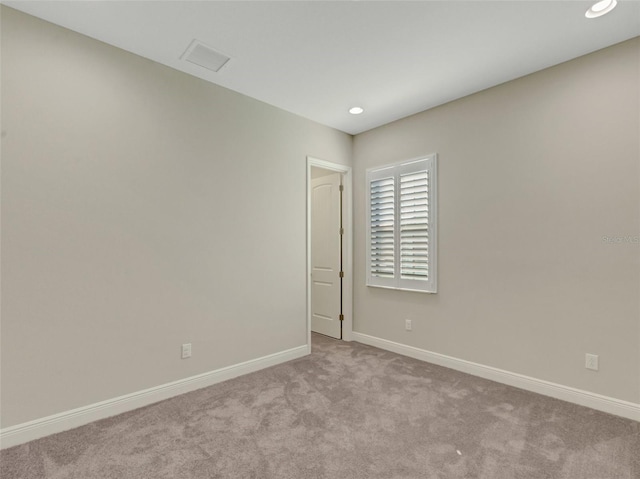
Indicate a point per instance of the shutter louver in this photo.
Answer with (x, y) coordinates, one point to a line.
(382, 227)
(414, 226)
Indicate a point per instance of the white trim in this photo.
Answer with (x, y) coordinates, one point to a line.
(606, 404)
(347, 251)
(28, 431)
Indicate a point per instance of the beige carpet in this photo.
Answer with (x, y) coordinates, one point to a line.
(347, 411)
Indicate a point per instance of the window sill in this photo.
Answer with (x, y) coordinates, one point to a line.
(402, 289)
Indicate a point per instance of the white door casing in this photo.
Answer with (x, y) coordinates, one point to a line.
(347, 242)
(325, 255)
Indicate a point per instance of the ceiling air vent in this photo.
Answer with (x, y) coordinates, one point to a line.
(204, 56)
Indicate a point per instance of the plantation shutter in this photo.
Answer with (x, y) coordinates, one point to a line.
(414, 225)
(401, 249)
(382, 228)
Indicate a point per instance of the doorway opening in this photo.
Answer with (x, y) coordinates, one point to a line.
(329, 250)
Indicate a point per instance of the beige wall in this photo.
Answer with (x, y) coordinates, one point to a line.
(532, 174)
(121, 238)
(141, 208)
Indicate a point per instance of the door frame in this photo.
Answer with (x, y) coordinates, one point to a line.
(347, 247)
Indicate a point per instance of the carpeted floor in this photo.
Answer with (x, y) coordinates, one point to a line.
(348, 411)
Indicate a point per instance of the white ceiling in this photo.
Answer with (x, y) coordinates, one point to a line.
(318, 58)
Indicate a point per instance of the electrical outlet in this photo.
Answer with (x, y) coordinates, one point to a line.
(407, 324)
(591, 361)
(186, 350)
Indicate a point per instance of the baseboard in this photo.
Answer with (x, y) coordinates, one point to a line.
(28, 431)
(606, 404)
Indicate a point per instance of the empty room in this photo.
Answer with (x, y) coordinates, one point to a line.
(320, 239)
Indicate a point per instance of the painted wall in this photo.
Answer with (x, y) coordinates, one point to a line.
(533, 174)
(141, 209)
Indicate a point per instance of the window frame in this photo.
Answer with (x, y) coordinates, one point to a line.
(396, 170)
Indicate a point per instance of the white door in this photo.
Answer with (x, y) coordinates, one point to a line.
(325, 255)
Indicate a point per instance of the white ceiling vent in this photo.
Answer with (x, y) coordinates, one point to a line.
(204, 56)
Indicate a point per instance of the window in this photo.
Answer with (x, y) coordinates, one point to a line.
(401, 225)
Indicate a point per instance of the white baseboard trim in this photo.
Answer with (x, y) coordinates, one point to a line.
(599, 402)
(28, 431)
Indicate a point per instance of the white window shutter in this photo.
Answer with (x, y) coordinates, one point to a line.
(401, 226)
(414, 225)
(382, 204)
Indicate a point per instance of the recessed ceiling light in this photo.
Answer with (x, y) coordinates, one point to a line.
(356, 110)
(601, 8)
